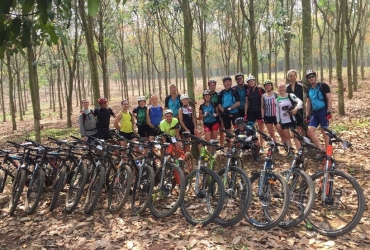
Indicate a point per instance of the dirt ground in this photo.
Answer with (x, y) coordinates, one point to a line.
(58, 230)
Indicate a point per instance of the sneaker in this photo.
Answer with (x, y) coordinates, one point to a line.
(261, 150)
(319, 157)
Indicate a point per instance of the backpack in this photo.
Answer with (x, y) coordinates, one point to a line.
(84, 115)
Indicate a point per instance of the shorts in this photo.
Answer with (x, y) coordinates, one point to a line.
(289, 125)
(191, 129)
(152, 132)
(270, 120)
(241, 112)
(128, 136)
(229, 120)
(254, 116)
(103, 133)
(319, 118)
(299, 119)
(210, 126)
(143, 130)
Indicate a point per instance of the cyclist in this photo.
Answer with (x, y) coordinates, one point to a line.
(248, 129)
(103, 114)
(169, 124)
(140, 115)
(187, 119)
(208, 112)
(214, 101)
(173, 101)
(154, 114)
(319, 101)
(228, 103)
(242, 89)
(87, 122)
(253, 105)
(287, 106)
(268, 110)
(124, 122)
(295, 87)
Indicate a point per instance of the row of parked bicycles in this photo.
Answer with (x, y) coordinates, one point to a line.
(159, 176)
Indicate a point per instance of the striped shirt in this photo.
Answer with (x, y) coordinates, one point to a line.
(269, 105)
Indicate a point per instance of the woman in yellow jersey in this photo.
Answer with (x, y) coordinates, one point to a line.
(124, 122)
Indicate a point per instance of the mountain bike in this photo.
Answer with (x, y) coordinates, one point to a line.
(340, 203)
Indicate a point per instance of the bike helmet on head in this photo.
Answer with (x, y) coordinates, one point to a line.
(226, 78)
(250, 77)
(141, 98)
(268, 82)
(206, 92)
(310, 72)
(168, 111)
(239, 74)
(101, 100)
(184, 96)
(239, 121)
(211, 81)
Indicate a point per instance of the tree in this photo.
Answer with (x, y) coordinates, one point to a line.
(306, 35)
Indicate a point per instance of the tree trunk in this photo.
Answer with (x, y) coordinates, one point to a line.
(2, 91)
(306, 35)
(339, 43)
(11, 92)
(348, 49)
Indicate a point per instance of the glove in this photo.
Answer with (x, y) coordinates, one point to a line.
(328, 116)
(308, 118)
(245, 117)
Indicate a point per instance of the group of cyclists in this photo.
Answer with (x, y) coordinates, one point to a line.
(237, 107)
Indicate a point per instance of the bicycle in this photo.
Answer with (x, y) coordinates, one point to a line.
(340, 203)
(204, 195)
(302, 189)
(236, 183)
(271, 195)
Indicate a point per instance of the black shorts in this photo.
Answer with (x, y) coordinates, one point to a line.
(229, 120)
(270, 120)
(128, 136)
(152, 132)
(191, 129)
(103, 133)
(241, 112)
(143, 130)
(254, 115)
(289, 125)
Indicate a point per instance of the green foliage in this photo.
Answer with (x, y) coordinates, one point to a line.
(339, 128)
(58, 133)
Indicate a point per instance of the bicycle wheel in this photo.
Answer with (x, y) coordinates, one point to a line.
(188, 163)
(204, 197)
(169, 193)
(17, 189)
(94, 190)
(340, 212)
(110, 174)
(77, 184)
(302, 196)
(143, 190)
(3, 176)
(268, 208)
(119, 188)
(238, 196)
(57, 186)
(35, 191)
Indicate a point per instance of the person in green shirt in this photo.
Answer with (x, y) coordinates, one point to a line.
(169, 124)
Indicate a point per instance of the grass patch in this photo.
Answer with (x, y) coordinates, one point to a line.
(58, 133)
(362, 124)
(339, 128)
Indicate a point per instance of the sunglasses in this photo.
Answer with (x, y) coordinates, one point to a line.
(309, 77)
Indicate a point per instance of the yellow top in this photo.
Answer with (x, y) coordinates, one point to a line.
(126, 123)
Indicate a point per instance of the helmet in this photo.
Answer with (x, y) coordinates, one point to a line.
(184, 96)
(211, 81)
(239, 74)
(101, 100)
(206, 92)
(168, 111)
(141, 98)
(267, 82)
(239, 121)
(250, 77)
(310, 72)
(226, 78)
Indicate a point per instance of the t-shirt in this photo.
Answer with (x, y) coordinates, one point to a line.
(270, 104)
(103, 115)
(210, 109)
(140, 115)
(172, 104)
(169, 128)
(242, 94)
(254, 98)
(284, 106)
(227, 98)
(298, 90)
(126, 122)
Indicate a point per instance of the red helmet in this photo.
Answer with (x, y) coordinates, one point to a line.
(211, 81)
(101, 100)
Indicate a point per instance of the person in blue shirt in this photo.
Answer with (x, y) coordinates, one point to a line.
(208, 112)
(319, 103)
(173, 101)
(242, 89)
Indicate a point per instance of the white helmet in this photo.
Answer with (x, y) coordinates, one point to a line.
(168, 111)
(184, 96)
(141, 98)
(250, 77)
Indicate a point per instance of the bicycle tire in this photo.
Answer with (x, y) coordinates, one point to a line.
(335, 227)
(37, 188)
(302, 196)
(17, 189)
(168, 195)
(3, 176)
(57, 186)
(142, 192)
(94, 190)
(120, 187)
(109, 175)
(188, 163)
(76, 187)
(210, 196)
(235, 207)
(260, 211)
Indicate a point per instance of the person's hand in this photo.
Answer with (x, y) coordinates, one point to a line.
(328, 116)
(226, 112)
(214, 115)
(245, 117)
(294, 112)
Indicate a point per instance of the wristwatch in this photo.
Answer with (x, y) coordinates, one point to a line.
(229, 109)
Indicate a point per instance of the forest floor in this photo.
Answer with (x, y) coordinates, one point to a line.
(102, 230)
